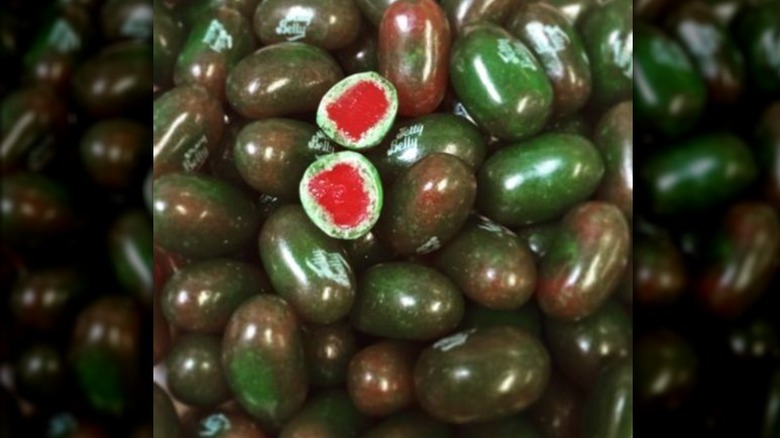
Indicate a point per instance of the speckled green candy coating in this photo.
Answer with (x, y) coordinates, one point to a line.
(670, 94)
(194, 367)
(201, 216)
(676, 185)
(538, 179)
(481, 374)
(328, 349)
(406, 301)
(329, 415)
(753, 31)
(262, 356)
(427, 205)
(500, 83)
(614, 138)
(372, 185)
(306, 267)
(585, 263)
(332, 25)
(374, 135)
(609, 408)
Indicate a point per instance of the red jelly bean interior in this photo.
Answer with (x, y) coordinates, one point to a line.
(339, 191)
(358, 109)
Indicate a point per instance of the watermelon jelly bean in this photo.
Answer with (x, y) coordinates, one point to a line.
(342, 194)
(358, 111)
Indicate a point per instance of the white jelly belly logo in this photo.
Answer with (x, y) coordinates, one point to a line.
(217, 37)
(707, 38)
(548, 41)
(405, 142)
(514, 53)
(453, 341)
(320, 144)
(63, 37)
(490, 226)
(213, 425)
(431, 245)
(623, 52)
(295, 23)
(329, 265)
(195, 156)
(668, 54)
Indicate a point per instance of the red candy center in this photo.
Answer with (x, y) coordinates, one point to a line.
(358, 109)
(339, 191)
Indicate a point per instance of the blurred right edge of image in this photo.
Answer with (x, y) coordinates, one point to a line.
(707, 233)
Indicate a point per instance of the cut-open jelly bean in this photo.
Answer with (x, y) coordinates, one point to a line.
(358, 111)
(342, 194)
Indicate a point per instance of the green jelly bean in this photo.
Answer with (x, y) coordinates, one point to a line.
(462, 13)
(406, 301)
(666, 370)
(558, 412)
(328, 415)
(481, 374)
(306, 267)
(271, 155)
(659, 268)
(607, 30)
(114, 151)
(167, 39)
(200, 216)
(43, 299)
(609, 407)
(697, 174)
(427, 205)
(381, 378)
(328, 349)
(414, 139)
(581, 348)
(329, 24)
(40, 374)
(558, 47)
(670, 94)
(362, 54)
(585, 263)
(490, 265)
(194, 370)
(188, 125)
(538, 179)
(130, 246)
(35, 208)
(262, 355)
(614, 138)
(539, 237)
(755, 30)
(201, 297)
(282, 79)
(500, 82)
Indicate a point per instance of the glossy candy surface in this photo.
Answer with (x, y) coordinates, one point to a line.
(380, 378)
(329, 24)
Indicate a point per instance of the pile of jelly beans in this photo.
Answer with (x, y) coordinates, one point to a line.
(76, 247)
(493, 296)
(707, 242)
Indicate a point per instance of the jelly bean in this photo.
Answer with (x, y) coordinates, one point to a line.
(666, 369)
(538, 179)
(328, 350)
(427, 205)
(331, 24)
(40, 374)
(117, 79)
(66, 31)
(481, 374)
(500, 82)
(131, 251)
(106, 339)
(659, 268)
(167, 39)
(462, 13)
(754, 340)
(414, 139)
(768, 154)
(366, 251)
(374, 10)
(406, 301)
(282, 79)
(188, 124)
(306, 267)
(262, 357)
(381, 378)
(575, 124)
(607, 31)
(574, 9)
(194, 370)
(127, 19)
(558, 412)
(216, 42)
(34, 208)
(753, 30)
(224, 423)
(539, 237)
(670, 94)
(698, 173)
(272, 154)
(166, 422)
(414, 44)
(114, 152)
(199, 216)
(516, 426)
(609, 407)
(43, 299)
(30, 117)
(201, 296)
(361, 55)
(712, 51)
(330, 414)
(585, 263)
(553, 40)
(490, 265)
(614, 139)
(526, 317)
(582, 348)
(743, 256)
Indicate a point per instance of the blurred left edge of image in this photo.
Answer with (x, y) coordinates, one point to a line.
(75, 227)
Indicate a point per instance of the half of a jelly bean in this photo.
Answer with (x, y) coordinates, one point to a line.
(342, 194)
(358, 111)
